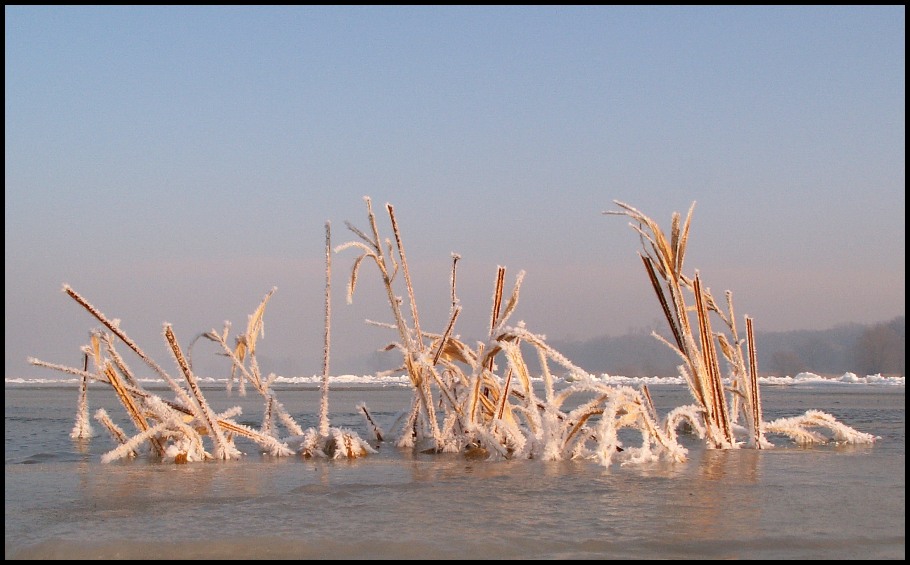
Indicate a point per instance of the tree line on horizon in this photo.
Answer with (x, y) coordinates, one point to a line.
(864, 349)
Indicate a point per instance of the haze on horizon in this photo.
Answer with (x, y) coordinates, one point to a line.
(173, 164)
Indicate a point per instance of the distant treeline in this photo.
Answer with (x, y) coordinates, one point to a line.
(856, 348)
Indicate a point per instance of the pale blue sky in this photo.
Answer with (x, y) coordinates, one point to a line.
(173, 164)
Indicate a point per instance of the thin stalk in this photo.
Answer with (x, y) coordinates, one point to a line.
(445, 336)
(118, 360)
(119, 436)
(82, 427)
(324, 404)
(709, 355)
(131, 408)
(115, 328)
(455, 258)
(753, 374)
(658, 290)
(222, 449)
(494, 315)
(407, 275)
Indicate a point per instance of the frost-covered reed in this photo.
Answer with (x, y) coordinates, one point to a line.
(479, 400)
(82, 429)
(179, 430)
(697, 345)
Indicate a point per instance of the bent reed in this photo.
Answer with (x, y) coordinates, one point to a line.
(478, 400)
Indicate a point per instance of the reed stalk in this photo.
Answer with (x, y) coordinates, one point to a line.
(412, 346)
(407, 275)
(374, 427)
(131, 408)
(719, 416)
(115, 329)
(455, 258)
(324, 402)
(82, 428)
(132, 444)
(755, 396)
(102, 417)
(261, 387)
(118, 360)
(223, 450)
(419, 348)
(443, 340)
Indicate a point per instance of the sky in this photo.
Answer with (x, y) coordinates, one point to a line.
(174, 164)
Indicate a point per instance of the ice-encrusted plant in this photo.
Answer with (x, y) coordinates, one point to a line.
(175, 431)
(481, 401)
(328, 441)
(172, 430)
(82, 428)
(697, 344)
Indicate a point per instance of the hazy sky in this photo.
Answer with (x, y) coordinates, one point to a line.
(173, 164)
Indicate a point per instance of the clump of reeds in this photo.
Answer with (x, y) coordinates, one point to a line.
(697, 345)
(481, 401)
(176, 430)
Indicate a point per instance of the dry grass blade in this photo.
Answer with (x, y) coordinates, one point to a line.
(374, 427)
(725, 346)
(255, 327)
(82, 428)
(651, 409)
(683, 239)
(674, 237)
(513, 301)
(497, 298)
(373, 244)
(504, 397)
(581, 418)
(352, 282)
(95, 348)
(658, 290)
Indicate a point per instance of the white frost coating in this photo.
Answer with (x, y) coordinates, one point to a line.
(132, 445)
(799, 428)
(346, 443)
(82, 429)
(482, 402)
